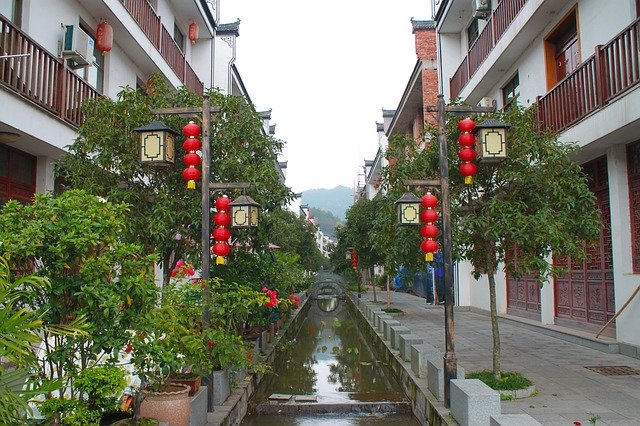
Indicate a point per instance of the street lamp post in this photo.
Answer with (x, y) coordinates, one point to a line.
(450, 362)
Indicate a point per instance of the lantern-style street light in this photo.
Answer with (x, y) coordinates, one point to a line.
(157, 144)
(491, 140)
(244, 212)
(408, 209)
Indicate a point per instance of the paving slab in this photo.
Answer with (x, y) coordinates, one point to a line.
(567, 391)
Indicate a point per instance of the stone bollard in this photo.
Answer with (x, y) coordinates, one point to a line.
(386, 328)
(473, 402)
(405, 341)
(380, 318)
(435, 376)
(419, 355)
(396, 332)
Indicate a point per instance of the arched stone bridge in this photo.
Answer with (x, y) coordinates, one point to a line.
(327, 284)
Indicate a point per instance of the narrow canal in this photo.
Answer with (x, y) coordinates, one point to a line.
(328, 374)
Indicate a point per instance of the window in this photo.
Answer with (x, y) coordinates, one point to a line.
(472, 33)
(511, 92)
(154, 4)
(178, 36)
(12, 10)
(562, 53)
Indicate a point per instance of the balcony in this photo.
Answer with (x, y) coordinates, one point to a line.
(149, 22)
(612, 70)
(497, 24)
(30, 71)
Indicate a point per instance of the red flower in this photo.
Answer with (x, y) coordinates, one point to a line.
(129, 348)
(211, 344)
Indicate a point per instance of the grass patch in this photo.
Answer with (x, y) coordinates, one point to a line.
(392, 310)
(509, 380)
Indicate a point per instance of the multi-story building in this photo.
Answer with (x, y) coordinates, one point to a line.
(577, 61)
(50, 64)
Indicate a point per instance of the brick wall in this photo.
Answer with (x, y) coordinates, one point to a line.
(426, 50)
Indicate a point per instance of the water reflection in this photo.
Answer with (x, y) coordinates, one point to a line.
(329, 358)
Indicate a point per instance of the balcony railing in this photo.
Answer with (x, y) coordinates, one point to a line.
(497, 24)
(32, 72)
(149, 22)
(613, 69)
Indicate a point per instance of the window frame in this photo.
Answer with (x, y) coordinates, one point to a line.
(511, 88)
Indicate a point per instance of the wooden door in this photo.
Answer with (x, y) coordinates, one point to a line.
(17, 175)
(584, 297)
(523, 294)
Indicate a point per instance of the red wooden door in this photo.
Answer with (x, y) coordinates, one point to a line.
(584, 297)
(17, 175)
(523, 294)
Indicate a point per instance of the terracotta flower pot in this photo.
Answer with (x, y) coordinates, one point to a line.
(193, 383)
(170, 406)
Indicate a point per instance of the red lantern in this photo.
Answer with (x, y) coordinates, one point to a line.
(192, 159)
(221, 249)
(429, 247)
(191, 174)
(191, 144)
(428, 216)
(466, 125)
(222, 219)
(467, 155)
(221, 234)
(354, 260)
(429, 231)
(468, 169)
(194, 30)
(429, 200)
(104, 37)
(467, 139)
(191, 130)
(222, 204)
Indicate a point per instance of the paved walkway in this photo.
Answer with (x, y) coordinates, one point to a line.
(568, 391)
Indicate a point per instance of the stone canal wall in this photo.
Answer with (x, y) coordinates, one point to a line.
(236, 405)
(385, 336)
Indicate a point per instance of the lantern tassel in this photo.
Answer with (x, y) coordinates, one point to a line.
(220, 260)
(468, 180)
(428, 257)
(191, 184)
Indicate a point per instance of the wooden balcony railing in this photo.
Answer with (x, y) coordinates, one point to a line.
(497, 24)
(613, 69)
(32, 72)
(149, 22)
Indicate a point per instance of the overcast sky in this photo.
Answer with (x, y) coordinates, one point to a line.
(326, 69)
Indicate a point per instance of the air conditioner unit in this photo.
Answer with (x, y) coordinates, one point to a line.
(486, 102)
(481, 9)
(77, 45)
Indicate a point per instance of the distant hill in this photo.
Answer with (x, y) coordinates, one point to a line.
(326, 220)
(336, 200)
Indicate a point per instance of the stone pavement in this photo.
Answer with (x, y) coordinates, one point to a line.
(567, 391)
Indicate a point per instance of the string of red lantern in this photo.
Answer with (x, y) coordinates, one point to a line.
(429, 231)
(191, 159)
(467, 154)
(221, 234)
(354, 259)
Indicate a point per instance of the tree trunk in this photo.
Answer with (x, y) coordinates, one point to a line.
(388, 291)
(494, 325)
(375, 296)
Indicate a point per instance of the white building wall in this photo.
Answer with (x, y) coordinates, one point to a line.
(225, 56)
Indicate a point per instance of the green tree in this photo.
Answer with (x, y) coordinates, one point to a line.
(165, 216)
(537, 200)
(94, 278)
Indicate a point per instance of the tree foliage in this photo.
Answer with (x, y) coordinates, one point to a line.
(164, 216)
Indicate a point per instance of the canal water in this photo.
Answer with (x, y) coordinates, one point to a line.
(328, 374)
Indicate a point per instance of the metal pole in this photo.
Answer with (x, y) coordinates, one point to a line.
(450, 364)
(206, 249)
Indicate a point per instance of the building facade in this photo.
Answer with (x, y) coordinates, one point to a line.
(577, 62)
(50, 65)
